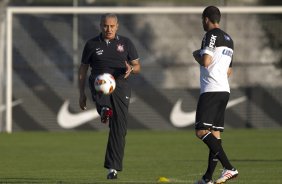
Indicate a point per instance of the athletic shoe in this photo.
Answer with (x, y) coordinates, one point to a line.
(227, 175)
(106, 113)
(202, 181)
(112, 175)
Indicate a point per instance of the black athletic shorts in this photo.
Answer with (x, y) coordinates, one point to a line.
(210, 111)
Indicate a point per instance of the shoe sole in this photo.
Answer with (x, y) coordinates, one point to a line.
(233, 177)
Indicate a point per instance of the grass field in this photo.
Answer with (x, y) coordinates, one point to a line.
(77, 157)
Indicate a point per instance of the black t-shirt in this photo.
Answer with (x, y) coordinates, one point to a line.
(109, 57)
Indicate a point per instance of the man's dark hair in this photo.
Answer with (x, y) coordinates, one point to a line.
(212, 13)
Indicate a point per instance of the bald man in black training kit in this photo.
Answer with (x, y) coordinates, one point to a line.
(111, 53)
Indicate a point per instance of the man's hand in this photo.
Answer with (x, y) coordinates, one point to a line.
(82, 101)
(196, 55)
(204, 60)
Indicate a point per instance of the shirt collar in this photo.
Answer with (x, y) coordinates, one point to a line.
(102, 39)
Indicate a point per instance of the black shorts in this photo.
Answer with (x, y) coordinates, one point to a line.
(210, 111)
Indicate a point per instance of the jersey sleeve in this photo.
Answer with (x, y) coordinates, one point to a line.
(209, 43)
(87, 51)
(132, 52)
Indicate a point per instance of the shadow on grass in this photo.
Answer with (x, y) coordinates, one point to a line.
(235, 160)
(21, 180)
(256, 160)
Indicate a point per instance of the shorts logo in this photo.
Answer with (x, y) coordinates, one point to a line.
(120, 48)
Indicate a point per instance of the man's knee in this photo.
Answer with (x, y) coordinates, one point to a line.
(216, 134)
(201, 133)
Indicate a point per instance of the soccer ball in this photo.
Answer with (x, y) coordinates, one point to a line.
(105, 83)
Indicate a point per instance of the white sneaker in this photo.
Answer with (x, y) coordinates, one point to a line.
(226, 175)
(204, 182)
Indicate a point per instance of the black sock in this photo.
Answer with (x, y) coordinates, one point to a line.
(216, 148)
(212, 162)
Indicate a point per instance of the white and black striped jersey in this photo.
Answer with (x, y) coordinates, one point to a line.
(219, 45)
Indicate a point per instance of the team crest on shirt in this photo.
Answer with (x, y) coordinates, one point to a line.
(227, 37)
(120, 48)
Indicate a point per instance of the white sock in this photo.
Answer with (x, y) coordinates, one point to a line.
(112, 170)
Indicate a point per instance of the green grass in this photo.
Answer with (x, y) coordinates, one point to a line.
(77, 157)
